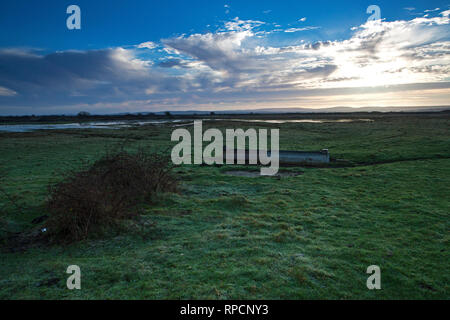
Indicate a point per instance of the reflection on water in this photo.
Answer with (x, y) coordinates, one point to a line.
(281, 121)
(130, 123)
(86, 125)
(301, 120)
(32, 127)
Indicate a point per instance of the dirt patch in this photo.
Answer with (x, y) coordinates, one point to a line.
(256, 174)
(22, 241)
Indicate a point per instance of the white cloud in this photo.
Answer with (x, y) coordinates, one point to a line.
(147, 45)
(242, 25)
(300, 29)
(379, 53)
(7, 92)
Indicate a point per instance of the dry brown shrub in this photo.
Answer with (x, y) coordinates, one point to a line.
(100, 195)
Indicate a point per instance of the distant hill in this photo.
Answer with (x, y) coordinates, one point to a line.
(309, 110)
(86, 116)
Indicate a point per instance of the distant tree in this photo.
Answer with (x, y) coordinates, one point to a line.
(83, 114)
(167, 113)
(212, 113)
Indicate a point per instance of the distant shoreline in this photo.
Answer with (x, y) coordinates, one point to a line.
(210, 115)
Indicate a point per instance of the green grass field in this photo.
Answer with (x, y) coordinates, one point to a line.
(310, 236)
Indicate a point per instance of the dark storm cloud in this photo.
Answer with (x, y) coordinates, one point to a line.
(78, 76)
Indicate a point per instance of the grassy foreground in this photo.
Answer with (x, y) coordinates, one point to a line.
(225, 237)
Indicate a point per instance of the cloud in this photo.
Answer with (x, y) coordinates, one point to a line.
(242, 25)
(302, 19)
(301, 29)
(7, 92)
(220, 51)
(378, 53)
(74, 76)
(147, 45)
(172, 63)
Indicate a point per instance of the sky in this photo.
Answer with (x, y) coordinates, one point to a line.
(147, 56)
